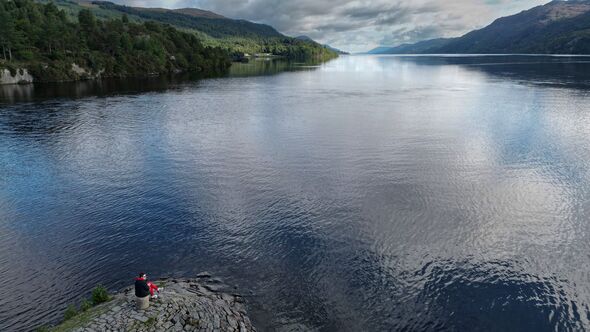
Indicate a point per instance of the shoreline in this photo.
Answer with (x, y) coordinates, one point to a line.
(184, 304)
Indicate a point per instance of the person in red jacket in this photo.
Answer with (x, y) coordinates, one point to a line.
(142, 286)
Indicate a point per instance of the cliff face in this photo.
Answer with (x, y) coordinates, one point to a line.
(21, 76)
(183, 305)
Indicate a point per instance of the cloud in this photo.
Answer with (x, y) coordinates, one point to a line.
(359, 25)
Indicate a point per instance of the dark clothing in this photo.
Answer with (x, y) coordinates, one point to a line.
(141, 288)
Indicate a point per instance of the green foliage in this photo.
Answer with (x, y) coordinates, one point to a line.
(85, 305)
(150, 321)
(42, 37)
(42, 329)
(87, 20)
(100, 295)
(236, 37)
(83, 318)
(214, 27)
(70, 312)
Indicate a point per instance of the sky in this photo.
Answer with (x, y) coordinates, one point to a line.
(359, 25)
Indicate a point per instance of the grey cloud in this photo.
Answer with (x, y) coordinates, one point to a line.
(358, 25)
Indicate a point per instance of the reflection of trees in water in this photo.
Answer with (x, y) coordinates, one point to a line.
(261, 67)
(571, 72)
(37, 92)
(16, 92)
(74, 90)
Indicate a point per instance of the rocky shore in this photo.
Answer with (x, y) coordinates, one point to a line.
(196, 304)
(20, 76)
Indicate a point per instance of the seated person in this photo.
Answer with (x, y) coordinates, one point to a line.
(144, 288)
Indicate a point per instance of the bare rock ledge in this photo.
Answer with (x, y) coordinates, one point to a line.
(184, 305)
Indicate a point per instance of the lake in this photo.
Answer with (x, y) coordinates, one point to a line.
(366, 193)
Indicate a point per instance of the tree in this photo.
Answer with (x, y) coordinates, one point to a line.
(87, 20)
(7, 33)
(44, 41)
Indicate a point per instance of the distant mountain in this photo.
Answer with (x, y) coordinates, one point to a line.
(416, 48)
(236, 36)
(559, 27)
(197, 12)
(381, 50)
(209, 23)
(336, 50)
(307, 38)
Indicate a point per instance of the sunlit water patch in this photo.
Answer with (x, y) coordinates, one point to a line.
(369, 193)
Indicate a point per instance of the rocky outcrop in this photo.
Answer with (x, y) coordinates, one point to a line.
(21, 76)
(79, 70)
(81, 73)
(184, 305)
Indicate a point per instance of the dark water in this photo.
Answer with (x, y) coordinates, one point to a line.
(369, 193)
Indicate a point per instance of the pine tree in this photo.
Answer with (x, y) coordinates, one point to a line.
(7, 33)
(87, 20)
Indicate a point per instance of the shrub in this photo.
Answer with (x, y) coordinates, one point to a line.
(70, 312)
(85, 305)
(100, 295)
(26, 55)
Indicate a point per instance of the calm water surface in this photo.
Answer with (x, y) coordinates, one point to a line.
(368, 193)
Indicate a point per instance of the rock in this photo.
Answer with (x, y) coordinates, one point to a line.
(216, 281)
(21, 76)
(247, 321)
(186, 305)
(232, 322)
(191, 321)
(227, 297)
(178, 327)
(216, 322)
(213, 288)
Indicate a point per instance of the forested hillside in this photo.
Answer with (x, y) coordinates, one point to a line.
(237, 37)
(41, 38)
(215, 27)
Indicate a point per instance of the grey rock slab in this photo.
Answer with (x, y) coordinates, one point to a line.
(242, 327)
(188, 305)
(232, 322)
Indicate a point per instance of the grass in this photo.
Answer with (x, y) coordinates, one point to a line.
(100, 295)
(85, 305)
(71, 312)
(82, 319)
(89, 310)
(151, 321)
